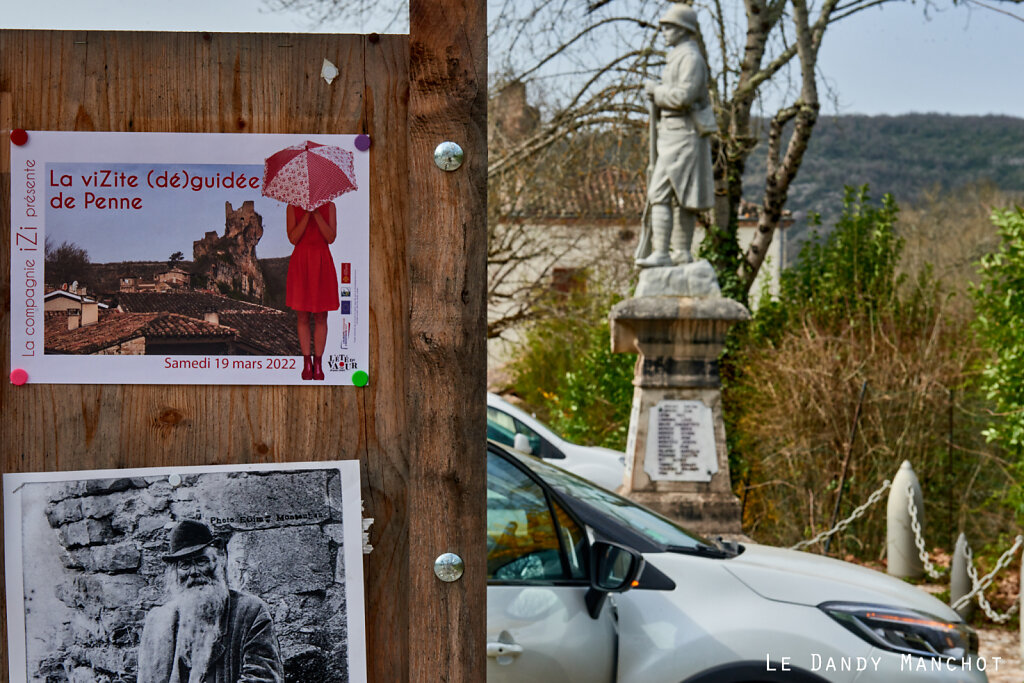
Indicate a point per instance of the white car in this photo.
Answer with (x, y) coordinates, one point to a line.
(516, 428)
(586, 587)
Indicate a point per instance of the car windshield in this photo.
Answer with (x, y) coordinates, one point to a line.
(649, 524)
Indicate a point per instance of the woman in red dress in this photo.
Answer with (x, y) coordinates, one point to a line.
(312, 287)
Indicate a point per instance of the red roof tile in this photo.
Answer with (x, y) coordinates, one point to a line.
(117, 328)
(163, 315)
(270, 333)
(193, 304)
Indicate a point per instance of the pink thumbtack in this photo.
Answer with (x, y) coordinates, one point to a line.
(362, 142)
(19, 137)
(18, 376)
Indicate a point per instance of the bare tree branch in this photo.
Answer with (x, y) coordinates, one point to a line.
(587, 60)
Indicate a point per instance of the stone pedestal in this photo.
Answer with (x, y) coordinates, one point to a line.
(681, 469)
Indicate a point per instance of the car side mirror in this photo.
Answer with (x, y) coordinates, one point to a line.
(614, 568)
(521, 442)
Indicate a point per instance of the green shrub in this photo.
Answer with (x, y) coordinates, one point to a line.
(999, 301)
(566, 373)
(848, 277)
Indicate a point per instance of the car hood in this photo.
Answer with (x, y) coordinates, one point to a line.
(618, 455)
(593, 453)
(602, 466)
(807, 579)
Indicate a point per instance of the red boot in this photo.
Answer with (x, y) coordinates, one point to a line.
(307, 367)
(318, 370)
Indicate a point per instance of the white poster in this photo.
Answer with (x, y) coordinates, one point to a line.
(160, 574)
(680, 442)
(179, 258)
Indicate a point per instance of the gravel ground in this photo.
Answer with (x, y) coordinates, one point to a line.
(1005, 644)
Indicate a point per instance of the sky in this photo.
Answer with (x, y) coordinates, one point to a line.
(899, 58)
(895, 59)
(168, 220)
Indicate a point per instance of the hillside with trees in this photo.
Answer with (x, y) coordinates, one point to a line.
(908, 156)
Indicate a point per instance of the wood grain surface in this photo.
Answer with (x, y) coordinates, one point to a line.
(447, 271)
(418, 427)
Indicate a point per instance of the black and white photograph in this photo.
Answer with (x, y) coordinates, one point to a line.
(226, 574)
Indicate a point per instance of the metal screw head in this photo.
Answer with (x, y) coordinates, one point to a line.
(449, 567)
(448, 156)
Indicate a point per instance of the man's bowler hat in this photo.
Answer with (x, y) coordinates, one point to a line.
(187, 539)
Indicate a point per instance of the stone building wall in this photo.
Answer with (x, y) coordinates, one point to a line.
(282, 532)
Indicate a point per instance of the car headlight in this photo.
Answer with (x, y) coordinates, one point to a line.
(905, 630)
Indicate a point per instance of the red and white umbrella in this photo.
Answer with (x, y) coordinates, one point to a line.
(308, 175)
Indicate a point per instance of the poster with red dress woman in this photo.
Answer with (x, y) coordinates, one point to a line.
(197, 258)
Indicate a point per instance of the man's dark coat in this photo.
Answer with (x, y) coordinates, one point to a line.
(246, 652)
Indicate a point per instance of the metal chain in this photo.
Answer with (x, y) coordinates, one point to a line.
(858, 512)
(929, 568)
(980, 586)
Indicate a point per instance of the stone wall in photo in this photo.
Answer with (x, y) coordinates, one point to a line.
(283, 536)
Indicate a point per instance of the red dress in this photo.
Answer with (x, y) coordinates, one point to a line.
(312, 284)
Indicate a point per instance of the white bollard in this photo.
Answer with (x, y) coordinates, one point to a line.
(903, 559)
(959, 579)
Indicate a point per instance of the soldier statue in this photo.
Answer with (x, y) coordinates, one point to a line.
(681, 183)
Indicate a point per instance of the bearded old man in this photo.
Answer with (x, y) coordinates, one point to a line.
(206, 633)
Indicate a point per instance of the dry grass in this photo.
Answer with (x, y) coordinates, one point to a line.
(793, 412)
(949, 232)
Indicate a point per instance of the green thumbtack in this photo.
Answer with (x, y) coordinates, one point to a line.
(360, 378)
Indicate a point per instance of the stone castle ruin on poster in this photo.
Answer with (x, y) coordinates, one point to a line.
(283, 535)
(230, 260)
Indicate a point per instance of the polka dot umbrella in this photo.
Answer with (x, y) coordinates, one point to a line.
(308, 175)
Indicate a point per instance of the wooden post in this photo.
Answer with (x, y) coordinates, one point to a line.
(447, 373)
(418, 428)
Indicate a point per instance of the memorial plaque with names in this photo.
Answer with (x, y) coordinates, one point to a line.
(680, 442)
